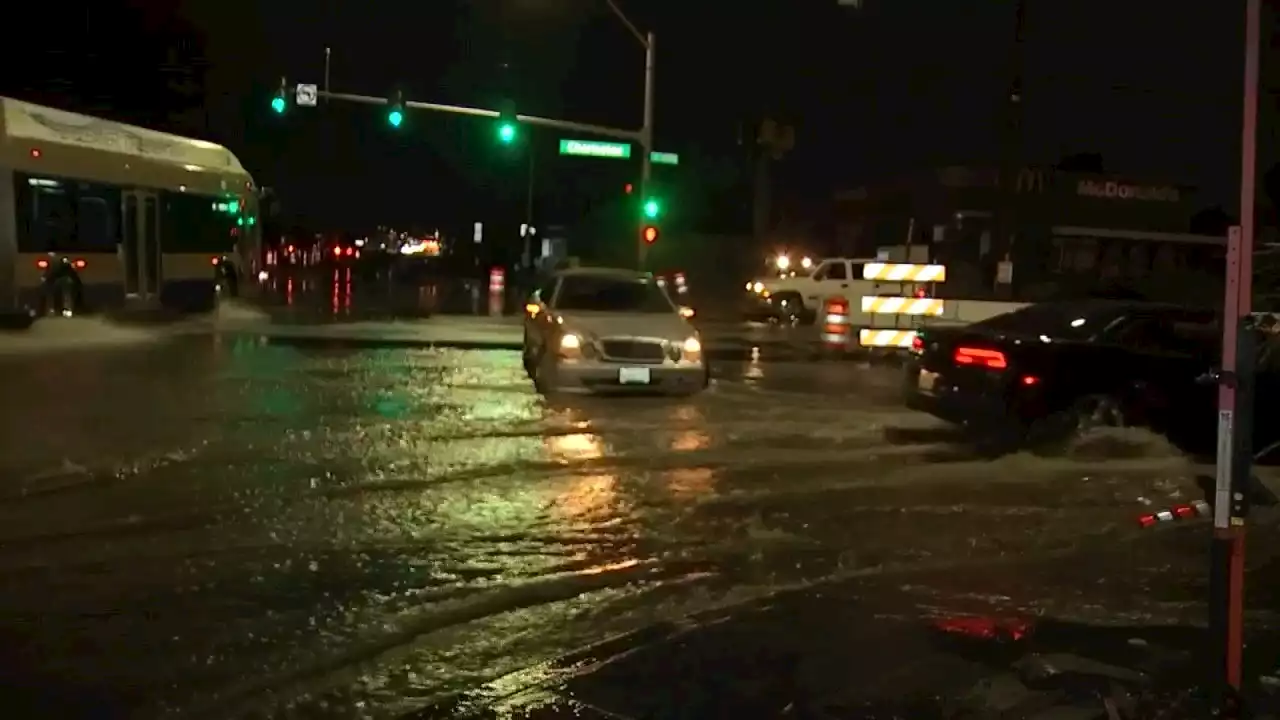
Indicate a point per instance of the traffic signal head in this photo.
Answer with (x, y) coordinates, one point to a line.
(651, 208)
(395, 110)
(507, 123)
(280, 101)
(650, 234)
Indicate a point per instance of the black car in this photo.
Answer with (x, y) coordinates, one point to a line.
(1052, 369)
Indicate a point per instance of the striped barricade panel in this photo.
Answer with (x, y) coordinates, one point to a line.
(1196, 509)
(886, 338)
(901, 305)
(904, 272)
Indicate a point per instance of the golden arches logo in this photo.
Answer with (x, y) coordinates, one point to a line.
(1030, 181)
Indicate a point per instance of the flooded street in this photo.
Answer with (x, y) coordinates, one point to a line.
(221, 526)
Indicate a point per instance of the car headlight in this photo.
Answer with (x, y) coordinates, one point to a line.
(758, 287)
(570, 346)
(690, 350)
(576, 345)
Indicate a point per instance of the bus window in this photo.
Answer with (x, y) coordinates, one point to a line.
(52, 219)
(192, 224)
(95, 224)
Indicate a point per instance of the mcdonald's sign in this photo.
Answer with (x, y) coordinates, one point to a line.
(1030, 181)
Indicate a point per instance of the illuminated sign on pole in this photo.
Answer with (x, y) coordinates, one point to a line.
(595, 148)
(664, 158)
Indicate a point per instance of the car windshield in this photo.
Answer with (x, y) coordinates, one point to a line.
(594, 293)
(1058, 322)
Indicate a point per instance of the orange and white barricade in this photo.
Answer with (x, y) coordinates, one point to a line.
(837, 326)
(497, 290)
(906, 309)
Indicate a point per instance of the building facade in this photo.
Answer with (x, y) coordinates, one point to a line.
(1072, 233)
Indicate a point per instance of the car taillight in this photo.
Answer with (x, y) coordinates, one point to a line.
(980, 357)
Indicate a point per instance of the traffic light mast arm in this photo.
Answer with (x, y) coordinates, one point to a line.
(602, 130)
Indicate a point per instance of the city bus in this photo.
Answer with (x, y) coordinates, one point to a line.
(99, 216)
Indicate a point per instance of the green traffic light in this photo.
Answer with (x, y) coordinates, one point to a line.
(651, 208)
(395, 117)
(278, 104)
(506, 132)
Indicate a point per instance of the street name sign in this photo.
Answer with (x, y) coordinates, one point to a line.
(595, 148)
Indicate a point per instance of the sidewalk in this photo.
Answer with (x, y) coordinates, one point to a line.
(1037, 638)
(727, 339)
(463, 332)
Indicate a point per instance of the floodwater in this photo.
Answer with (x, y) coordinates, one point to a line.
(217, 525)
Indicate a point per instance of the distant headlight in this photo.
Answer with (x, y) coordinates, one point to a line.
(758, 287)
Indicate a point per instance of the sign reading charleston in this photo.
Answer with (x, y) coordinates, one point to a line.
(595, 148)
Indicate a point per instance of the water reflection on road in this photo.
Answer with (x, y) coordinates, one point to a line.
(218, 523)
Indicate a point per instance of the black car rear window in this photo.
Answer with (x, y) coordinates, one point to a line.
(1057, 322)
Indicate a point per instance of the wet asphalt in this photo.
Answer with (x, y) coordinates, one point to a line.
(213, 524)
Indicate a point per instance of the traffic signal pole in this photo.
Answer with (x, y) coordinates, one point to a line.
(646, 128)
(646, 145)
(534, 120)
(1235, 409)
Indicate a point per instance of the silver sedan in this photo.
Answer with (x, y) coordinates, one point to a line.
(601, 329)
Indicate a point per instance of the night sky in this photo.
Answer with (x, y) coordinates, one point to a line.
(895, 86)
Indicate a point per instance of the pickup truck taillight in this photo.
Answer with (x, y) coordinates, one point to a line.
(917, 344)
(981, 357)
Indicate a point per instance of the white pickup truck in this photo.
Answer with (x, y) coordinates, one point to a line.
(799, 296)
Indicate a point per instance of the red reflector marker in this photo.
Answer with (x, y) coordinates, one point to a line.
(1147, 520)
(993, 359)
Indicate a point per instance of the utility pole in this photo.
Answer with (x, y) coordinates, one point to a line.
(526, 252)
(1235, 407)
(773, 142)
(1010, 152)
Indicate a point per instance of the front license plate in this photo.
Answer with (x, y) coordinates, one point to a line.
(633, 376)
(926, 381)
